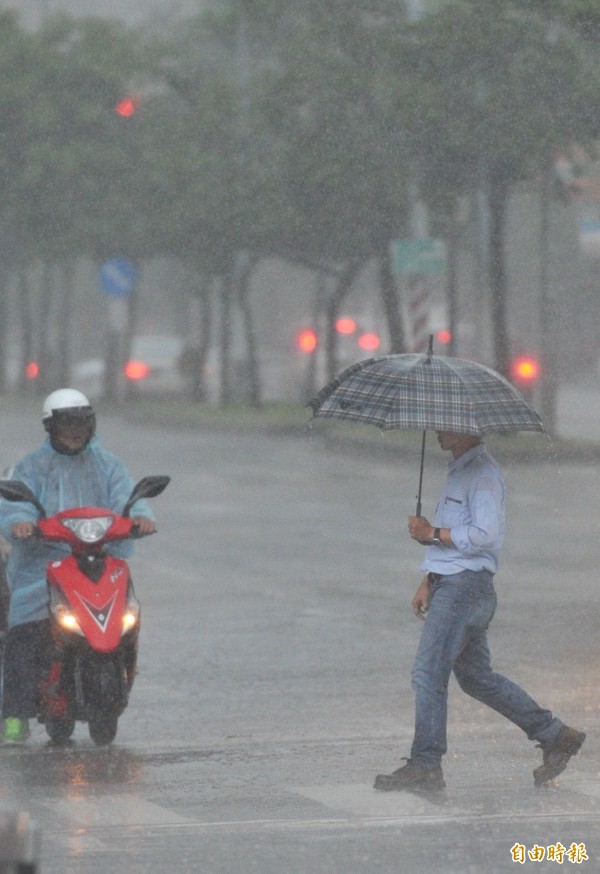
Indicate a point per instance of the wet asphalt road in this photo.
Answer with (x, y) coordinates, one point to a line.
(274, 682)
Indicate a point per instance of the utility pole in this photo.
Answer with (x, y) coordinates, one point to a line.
(547, 315)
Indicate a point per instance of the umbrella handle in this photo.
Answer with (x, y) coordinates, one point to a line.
(418, 513)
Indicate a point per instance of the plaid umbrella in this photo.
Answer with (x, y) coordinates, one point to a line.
(425, 392)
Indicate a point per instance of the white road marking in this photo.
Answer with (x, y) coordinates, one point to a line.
(362, 801)
(348, 806)
(123, 812)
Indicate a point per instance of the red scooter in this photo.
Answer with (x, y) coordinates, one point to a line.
(94, 615)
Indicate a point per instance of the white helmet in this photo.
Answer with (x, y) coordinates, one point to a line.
(63, 399)
(68, 406)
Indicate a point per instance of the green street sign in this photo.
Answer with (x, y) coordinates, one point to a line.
(413, 255)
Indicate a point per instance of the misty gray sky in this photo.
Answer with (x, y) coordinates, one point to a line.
(32, 12)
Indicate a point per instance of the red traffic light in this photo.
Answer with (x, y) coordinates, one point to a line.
(369, 341)
(32, 370)
(136, 370)
(307, 340)
(345, 325)
(525, 369)
(444, 336)
(127, 107)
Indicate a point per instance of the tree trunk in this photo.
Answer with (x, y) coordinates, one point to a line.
(65, 323)
(452, 283)
(226, 368)
(4, 330)
(252, 365)
(47, 357)
(27, 325)
(196, 356)
(498, 197)
(343, 286)
(391, 306)
(320, 296)
(132, 306)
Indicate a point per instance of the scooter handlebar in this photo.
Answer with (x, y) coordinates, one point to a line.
(136, 534)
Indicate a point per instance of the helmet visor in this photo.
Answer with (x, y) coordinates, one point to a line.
(71, 429)
(76, 417)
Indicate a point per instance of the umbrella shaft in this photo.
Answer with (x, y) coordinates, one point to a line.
(421, 473)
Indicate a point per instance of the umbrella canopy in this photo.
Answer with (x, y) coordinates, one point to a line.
(423, 392)
(426, 392)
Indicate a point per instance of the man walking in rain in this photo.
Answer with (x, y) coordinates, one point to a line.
(456, 600)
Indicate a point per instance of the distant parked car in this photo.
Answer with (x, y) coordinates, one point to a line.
(154, 365)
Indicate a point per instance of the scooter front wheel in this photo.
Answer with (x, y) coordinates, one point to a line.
(60, 730)
(103, 728)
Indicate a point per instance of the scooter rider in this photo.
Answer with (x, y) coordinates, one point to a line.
(70, 469)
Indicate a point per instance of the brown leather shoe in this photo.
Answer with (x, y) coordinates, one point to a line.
(557, 754)
(411, 777)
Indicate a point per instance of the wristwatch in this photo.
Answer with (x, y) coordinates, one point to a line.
(436, 539)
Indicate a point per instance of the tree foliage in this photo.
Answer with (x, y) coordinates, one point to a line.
(298, 130)
(497, 92)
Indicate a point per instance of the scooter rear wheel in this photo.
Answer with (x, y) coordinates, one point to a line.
(103, 728)
(60, 730)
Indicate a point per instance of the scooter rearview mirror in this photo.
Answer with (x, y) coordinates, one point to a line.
(148, 487)
(15, 490)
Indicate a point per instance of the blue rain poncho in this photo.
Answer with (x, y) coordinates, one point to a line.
(94, 478)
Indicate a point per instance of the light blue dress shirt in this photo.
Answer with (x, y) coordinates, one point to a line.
(472, 507)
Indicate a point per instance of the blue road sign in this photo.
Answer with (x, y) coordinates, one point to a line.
(118, 277)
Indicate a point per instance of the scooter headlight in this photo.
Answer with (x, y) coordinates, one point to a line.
(88, 530)
(66, 619)
(131, 615)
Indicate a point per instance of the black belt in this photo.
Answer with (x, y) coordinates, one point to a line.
(434, 578)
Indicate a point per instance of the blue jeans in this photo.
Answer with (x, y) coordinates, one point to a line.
(454, 638)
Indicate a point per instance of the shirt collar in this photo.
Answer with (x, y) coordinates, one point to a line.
(467, 457)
